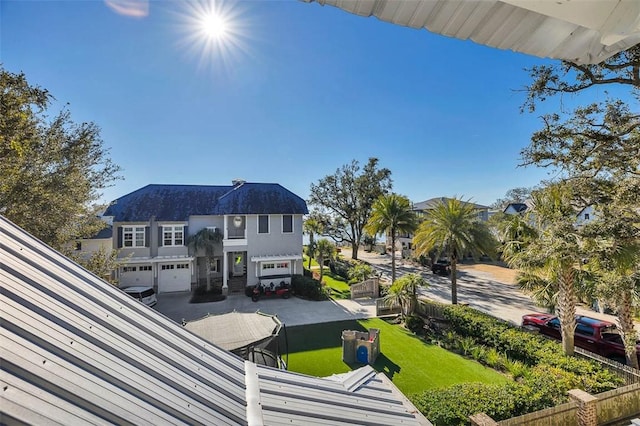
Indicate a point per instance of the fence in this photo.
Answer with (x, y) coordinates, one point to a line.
(383, 308)
(430, 310)
(368, 288)
(629, 374)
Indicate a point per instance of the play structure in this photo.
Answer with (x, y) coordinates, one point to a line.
(360, 346)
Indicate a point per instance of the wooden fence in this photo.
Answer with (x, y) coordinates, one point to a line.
(383, 308)
(368, 288)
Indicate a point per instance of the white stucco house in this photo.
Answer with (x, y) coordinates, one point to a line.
(260, 224)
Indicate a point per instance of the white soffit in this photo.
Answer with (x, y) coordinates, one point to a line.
(581, 31)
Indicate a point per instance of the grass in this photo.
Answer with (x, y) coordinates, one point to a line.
(305, 262)
(409, 362)
(339, 288)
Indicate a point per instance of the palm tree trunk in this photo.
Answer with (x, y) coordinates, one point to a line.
(567, 309)
(321, 259)
(393, 256)
(629, 335)
(208, 274)
(454, 280)
(311, 250)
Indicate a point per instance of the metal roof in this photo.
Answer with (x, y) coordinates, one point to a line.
(77, 350)
(178, 202)
(581, 31)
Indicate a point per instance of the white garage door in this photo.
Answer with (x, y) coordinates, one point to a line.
(138, 275)
(174, 277)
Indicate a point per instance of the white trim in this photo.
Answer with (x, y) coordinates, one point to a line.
(134, 231)
(275, 258)
(172, 229)
(158, 259)
(282, 224)
(268, 224)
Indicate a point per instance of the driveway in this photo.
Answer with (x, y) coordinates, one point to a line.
(293, 311)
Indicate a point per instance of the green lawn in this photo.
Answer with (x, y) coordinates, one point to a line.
(339, 288)
(410, 363)
(305, 262)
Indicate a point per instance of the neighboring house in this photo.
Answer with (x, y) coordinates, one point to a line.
(260, 224)
(421, 209)
(77, 350)
(103, 240)
(585, 215)
(516, 208)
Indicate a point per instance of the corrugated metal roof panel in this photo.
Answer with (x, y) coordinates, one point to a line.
(582, 31)
(76, 350)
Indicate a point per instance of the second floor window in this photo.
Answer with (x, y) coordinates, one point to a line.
(263, 224)
(173, 235)
(133, 236)
(287, 223)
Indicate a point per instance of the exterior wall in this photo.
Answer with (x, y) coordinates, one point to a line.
(586, 215)
(565, 414)
(197, 223)
(90, 246)
(618, 404)
(274, 243)
(131, 251)
(182, 250)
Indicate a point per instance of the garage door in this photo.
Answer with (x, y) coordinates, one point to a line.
(174, 277)
(136, 275)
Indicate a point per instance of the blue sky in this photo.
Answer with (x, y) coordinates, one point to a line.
(299, 90)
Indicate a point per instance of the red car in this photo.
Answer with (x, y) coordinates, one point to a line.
(598, 336)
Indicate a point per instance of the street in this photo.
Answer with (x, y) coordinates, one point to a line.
(480, 290)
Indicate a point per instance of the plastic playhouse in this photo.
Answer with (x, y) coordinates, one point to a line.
(360, 346)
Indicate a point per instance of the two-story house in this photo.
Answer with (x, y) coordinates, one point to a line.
(260, 224)
(422, 208)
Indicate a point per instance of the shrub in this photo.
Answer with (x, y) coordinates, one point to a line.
(452, 406)
(307, 287)
(414, 323)
(307, 273)
(340, 267)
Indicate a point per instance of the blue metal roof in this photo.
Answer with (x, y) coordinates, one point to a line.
(178, 202)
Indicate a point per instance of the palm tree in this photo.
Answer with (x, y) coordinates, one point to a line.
(205, 240)
(452, 228)
(403, 292)
(391, 214)
(324, 250)
(553, 260)
(614, 257)
(313, 227)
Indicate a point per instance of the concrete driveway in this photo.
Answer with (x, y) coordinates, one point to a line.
(293, 311)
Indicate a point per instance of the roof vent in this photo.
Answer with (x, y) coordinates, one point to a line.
(237, 182)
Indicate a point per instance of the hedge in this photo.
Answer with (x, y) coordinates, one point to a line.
(307, 287)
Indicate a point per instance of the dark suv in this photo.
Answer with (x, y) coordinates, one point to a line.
(441, 267)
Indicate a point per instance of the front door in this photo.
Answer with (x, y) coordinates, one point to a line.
(238, 267)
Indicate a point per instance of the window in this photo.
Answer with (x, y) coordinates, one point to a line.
(584, 329)
(268, 266)
(586, 216)
(129, 269)
(287, 223)
(173, 235)
(133, 236)
(167, 267)
(263, 224)
(215, 265)
(145, 268)
(282, 265)
(182, 266)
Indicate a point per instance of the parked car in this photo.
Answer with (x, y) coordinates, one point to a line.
(595, 335)
(441, 267)
(146, 295)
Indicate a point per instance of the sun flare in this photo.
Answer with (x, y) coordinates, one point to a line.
(214, 32)
(214, 26)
